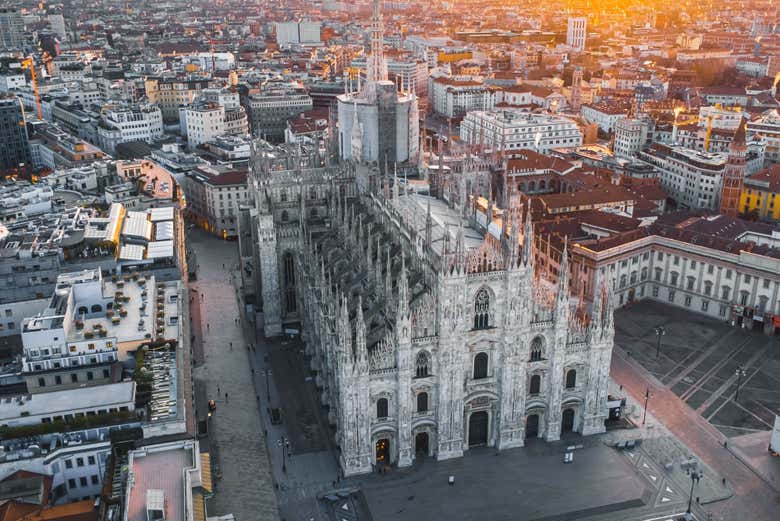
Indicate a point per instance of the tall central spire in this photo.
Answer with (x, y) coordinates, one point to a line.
(377, 70)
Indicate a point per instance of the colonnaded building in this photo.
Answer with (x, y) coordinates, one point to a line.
(426, 324)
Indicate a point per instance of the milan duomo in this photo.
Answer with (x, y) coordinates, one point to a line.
(426, 324)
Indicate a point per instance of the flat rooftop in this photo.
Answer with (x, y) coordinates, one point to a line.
(57, 403)
(160, 469)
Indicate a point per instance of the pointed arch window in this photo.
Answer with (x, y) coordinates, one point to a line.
(381, 408)
(422, 365)
(289, 282)
(571, 379)
(482, 309)
(535, 386)
(422, 402)
(537, 349)
(480, 366)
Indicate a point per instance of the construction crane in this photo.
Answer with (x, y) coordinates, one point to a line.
(708, 135)
(28, 63)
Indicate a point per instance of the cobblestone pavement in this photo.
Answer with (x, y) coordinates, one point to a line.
(244, 483)
(753, 498)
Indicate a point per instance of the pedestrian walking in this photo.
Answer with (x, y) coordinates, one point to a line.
(226, 398)
(231, 346)
(218, 393)
(208, 326)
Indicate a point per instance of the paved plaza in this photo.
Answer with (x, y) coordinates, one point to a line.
(699, 359)
(244, 484)
(602, 483)
(257, 474)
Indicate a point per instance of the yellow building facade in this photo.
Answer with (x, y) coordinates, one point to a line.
(760, 195)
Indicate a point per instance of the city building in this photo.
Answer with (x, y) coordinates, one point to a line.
(716, 265)
(304, 32)
(128, 123)
(169, 92)
(169, 480)
(760, 197)
(604, 115)
(407, 369)
(631, 135)
(214, 194)
(270, 108)
(202, 122)
(377, 123)
(511, 129)
(15, 152)
(454, 96)
(767, 125)
(734, 173)
(11, 29)
(693, 179)
(577, 32)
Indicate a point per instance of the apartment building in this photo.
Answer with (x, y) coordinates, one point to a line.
(515, 130)
(693, 179)
(214, 194)
(128, 123)
(720, 266)
(171, 92)
(269, 109)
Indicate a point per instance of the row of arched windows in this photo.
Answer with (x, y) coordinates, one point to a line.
(283, 194)
(383, 405)
(96, 308)
(534, 388)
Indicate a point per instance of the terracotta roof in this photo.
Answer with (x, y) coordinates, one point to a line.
(79, 511)
(15, 510)
(608, 221)
(606, 194)
(770, 176)
(458, 83)
(532, 160)
(717, 232)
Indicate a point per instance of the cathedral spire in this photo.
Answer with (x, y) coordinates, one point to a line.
(361, 353)
(428, 226)
(388, 281)
(563, 273)
(609, 308)
(403, 291)
(343, 330)
(377, 69)
(528, 237)
(395, 186)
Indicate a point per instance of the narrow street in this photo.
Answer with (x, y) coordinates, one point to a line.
(244, 485)
(751, 493)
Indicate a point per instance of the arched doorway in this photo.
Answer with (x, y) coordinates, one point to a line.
(567, 420)
(532, 426)
(421, 443)
(478, 428)
(383, 451)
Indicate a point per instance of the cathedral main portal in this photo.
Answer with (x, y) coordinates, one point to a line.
(478, 428)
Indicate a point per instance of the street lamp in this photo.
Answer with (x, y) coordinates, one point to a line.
(647, 398)
(267, 387)
(740, 372)
(284, 444)
(695, 478)
(659, 332)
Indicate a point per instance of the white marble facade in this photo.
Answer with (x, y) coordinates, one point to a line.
(427, 332)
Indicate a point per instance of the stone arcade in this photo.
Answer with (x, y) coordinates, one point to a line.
(429, 332)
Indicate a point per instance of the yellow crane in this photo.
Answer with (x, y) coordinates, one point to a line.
(28, 63)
